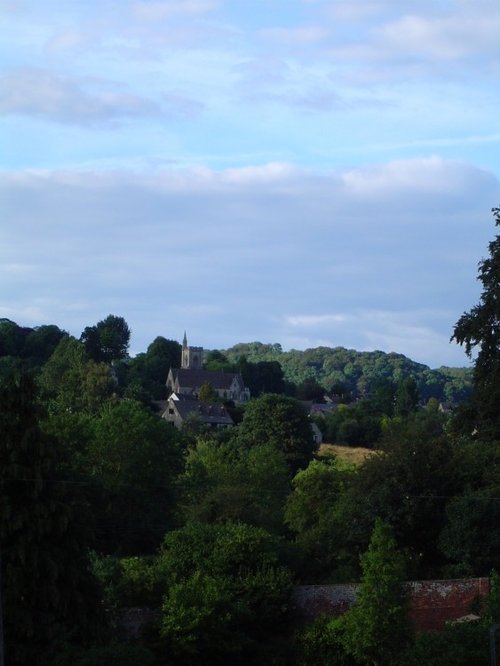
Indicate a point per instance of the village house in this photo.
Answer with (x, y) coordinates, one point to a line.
(182, 409)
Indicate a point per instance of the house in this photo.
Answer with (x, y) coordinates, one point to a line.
(190, 377)
(181, 409)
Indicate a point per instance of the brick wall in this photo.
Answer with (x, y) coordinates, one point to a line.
(432, 603)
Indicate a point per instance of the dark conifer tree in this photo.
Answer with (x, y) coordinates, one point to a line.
(47, 591)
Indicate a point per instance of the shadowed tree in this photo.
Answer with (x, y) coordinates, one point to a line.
(48, 593)
(479, 331)
(280, 421)
(108, 340)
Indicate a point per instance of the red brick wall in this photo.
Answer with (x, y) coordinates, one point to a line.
(435, 602)
(432, 603)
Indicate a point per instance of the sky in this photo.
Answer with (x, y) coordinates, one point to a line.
(307, 172)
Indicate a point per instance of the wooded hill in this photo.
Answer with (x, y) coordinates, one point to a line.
(347, 371)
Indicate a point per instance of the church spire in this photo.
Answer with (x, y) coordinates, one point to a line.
(184, 340)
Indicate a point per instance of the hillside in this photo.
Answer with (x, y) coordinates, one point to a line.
(350, 371)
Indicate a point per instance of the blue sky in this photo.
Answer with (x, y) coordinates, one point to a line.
(306, 172)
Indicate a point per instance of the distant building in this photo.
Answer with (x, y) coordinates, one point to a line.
(182, 409)
(190, 377)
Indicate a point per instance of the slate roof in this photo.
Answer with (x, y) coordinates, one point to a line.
(208, 413)
(196, 378)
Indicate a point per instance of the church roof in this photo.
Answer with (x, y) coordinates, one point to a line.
(196, 378)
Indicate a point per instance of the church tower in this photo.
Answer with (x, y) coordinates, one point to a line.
(191, 356)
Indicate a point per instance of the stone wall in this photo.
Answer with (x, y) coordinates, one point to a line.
(432, 603)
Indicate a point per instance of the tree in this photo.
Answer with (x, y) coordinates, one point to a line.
(479, 331)
(147, 373)
(310, 389)
(262, 377)
(71, 383)
(470, 537)
(311, 514)
(407, 397)
(280, 421)
(12, 338)
(48, 592)
(216, 361)
(226, 593)
(406, 483)
(108, 340)
(376, 629)
(226, 482)
(135, 456)
(207, 393)
(42, 341)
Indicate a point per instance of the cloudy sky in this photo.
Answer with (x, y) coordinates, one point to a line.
(309, 172)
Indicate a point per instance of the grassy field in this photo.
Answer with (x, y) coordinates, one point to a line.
(354, 455)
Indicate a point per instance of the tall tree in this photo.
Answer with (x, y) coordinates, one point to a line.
(145, 374)
(71, 383)
(479, 331)
(376, 629)
(135, 456)
(108, 340)
(47, 590)
(280, 421)
(407, 397)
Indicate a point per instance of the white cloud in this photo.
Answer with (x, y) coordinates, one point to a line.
(314, 321)
(303, 35)
(157, 11)
(263, 252)
(446, 37)
(429, 176)
(43, 94)
(416, 332)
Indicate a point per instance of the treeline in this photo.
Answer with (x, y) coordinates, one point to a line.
(105, 506)
(352, 374)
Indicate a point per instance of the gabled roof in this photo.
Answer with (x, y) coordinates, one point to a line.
(196, 378)
(208, 413)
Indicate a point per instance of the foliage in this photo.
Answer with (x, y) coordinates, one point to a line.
(406, 484)
(376, 629)
(262, 376)
(128, 582)
(216, 361)
(470, 538)
(479, 331)
(224, 482)
(320, 642)
(145, 374)
(311, 515)
(71, 383)
(281, 422)
(407, 397)
(226, 592)
(310, 389)
(115, 653)
(347, 372)
(108, 340)
(464, 644)
(134, 456)
(207, 393)
(44, 535)
(33, 345)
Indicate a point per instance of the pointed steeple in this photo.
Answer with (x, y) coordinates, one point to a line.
(184, 340)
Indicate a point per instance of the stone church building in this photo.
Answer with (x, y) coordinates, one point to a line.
(190, 377)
